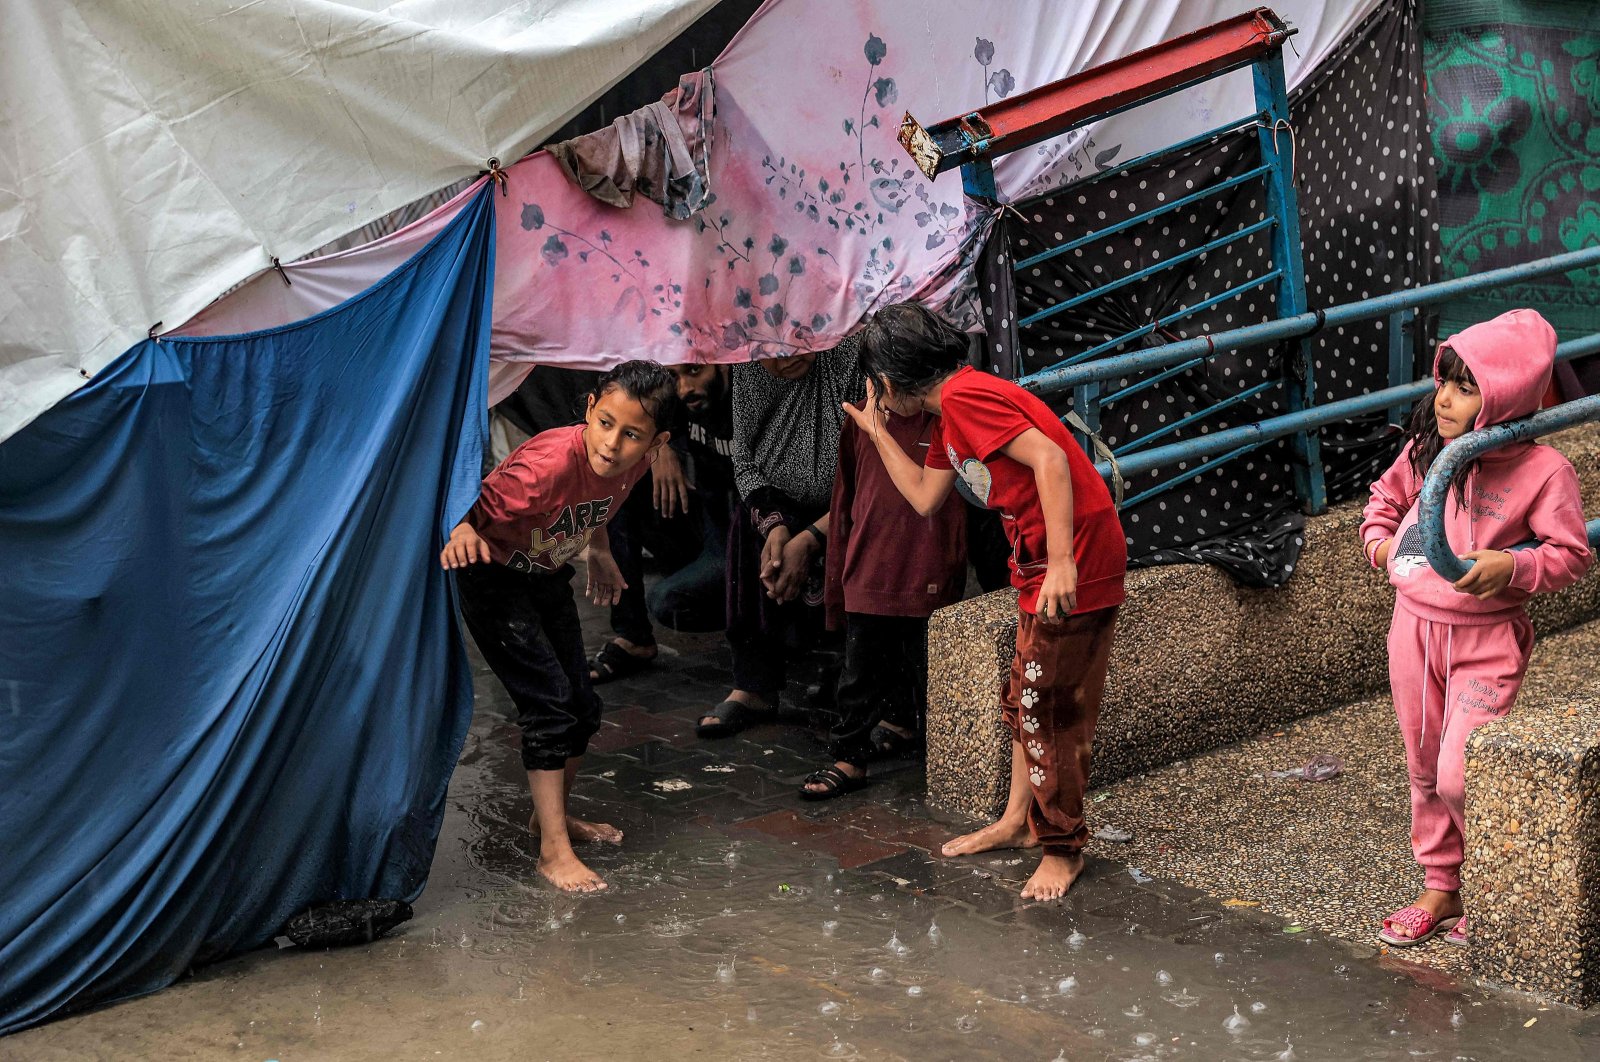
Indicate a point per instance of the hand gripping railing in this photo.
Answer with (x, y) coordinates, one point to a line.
(1436, 487)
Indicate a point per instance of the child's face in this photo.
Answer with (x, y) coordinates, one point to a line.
(1455, 407)
(618, 433)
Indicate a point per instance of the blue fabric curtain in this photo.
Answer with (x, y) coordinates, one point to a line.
(231, 679)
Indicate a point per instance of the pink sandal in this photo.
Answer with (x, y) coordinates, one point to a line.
(1458, 934)
(1418, 922)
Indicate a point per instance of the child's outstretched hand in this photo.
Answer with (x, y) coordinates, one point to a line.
(1058, 595)
(1490, 575)
(464, 548)
(604, 583)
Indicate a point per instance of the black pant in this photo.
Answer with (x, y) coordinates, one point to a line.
(885, 679)
(692, 550)
(526, 626)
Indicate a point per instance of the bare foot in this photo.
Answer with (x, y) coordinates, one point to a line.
(1000, 834)
(1053, 878)
(1436, 902)
(580, 831)
(566, 872)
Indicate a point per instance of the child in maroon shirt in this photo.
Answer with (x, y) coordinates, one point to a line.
(544, 505)
(1068, 559)
(888, 568)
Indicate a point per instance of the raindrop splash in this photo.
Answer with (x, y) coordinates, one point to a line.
(1236, 1023)
(1067, 985)
(1163, 978)
(896, 948)
(1076, 940)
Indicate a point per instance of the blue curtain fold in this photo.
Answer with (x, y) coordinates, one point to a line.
(232, 682)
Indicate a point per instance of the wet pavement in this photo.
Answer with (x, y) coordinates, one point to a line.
(743, 924)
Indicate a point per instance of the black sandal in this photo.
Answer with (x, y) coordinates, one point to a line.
(834, 782)
(614, 662)
(731, 717)
(888, 743)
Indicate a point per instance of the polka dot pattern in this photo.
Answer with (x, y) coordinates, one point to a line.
(1366, 198)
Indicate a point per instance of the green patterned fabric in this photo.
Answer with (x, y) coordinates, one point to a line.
(1514, 103)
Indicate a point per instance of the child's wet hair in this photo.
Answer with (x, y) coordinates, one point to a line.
(653, 386)
(910, 348)
(1423, 431)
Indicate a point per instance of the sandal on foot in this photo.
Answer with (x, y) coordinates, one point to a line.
(731, 717)
(1419, 922)
(888, 743)
(834, 782)
(1458, 934)
(613, 662)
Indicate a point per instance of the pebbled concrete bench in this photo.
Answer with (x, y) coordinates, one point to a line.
(1532, 872)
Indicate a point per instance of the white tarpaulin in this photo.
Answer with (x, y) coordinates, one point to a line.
(154, 179)
(155, 153)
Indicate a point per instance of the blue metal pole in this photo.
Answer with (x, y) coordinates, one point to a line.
(1218, 442)
(977, 180)
(1050, 381)
(1401, 369)
(1436, 487)
(1272, 99)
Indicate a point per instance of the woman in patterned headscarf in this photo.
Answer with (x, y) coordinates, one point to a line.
(786, 418)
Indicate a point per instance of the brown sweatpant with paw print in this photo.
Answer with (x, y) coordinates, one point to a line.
(1051, 703)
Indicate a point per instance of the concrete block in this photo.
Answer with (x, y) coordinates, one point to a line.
(1531, 879)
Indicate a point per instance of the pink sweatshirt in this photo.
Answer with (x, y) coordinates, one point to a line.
(1519, 492)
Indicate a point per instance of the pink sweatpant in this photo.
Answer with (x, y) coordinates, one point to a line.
(1448, 679)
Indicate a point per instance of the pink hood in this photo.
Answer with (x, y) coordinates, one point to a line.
(1511, 357)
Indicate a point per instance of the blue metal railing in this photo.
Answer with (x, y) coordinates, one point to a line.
(1087, 381)
(1436, 487)
(1280, 221)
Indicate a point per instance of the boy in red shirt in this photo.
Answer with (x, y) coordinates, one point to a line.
(1068, 561)
(547, 503)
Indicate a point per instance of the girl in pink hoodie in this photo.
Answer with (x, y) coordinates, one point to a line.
(1457, 652)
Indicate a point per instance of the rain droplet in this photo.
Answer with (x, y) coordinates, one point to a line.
(1134, 1011)
(934, 934)
(1163, 978)
(895, 947)
(1236, 1023)
(621, 918)
(732, 858)
(1457, 1019)
(1076, 940)
(1181, 998)
(829, 1009)
(1258, 1007)
(1145, 1039)
(1220, 958)
(1067, 985)
(914, 990)
(878, 974)
(477, 1025)
(725, 972)
(966, 1023)
(828, 928)
(553, 924)
(1287, 1054)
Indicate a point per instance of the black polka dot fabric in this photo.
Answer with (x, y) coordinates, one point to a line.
(1366, 202)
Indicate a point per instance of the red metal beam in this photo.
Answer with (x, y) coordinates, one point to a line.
(1057, 107)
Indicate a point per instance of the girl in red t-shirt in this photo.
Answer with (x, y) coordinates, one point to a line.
(544, 505)
(1068, 559)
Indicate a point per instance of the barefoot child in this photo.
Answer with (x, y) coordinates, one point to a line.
(1457, 652)
(1068, 559)
(545, 504)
